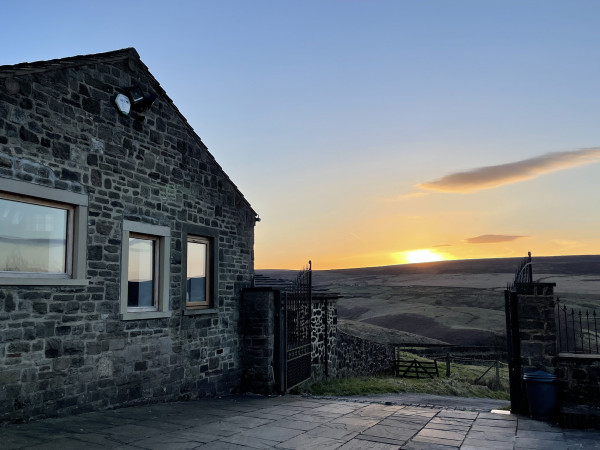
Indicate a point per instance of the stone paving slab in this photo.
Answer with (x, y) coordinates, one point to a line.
(292, 422)
(296, 424)
(425, 437)
(338, 431)
(357, 444)
(483, 429)
(546, 435)
(443, 434)
(492, 436)
(249, 441)
(272, 433)
(394, 433)
(482, 444)
(357, 423)
(495, 423)
(541, 444)
(415, 445)
(378, 439)
(305, 442)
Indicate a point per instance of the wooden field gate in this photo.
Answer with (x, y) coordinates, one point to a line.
(413, 368)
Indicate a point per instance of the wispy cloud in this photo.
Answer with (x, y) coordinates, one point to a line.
(494, 176)
(357, 237)
(492, 238)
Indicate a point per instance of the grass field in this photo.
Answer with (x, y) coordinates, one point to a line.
(461, 383)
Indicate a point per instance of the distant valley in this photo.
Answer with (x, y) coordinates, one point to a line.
(458, 302)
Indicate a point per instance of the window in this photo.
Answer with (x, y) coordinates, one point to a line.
(142, 272)
(145, 271)
(42, 235)
(200, 268)
(197, 287)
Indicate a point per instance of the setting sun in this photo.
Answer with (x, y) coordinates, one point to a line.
(420, 256)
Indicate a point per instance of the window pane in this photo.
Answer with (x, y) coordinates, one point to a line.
(140, 272)
(33, 238)
(196, 272)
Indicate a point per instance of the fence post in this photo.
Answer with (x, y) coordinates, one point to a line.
(497, 375)
(447, 365)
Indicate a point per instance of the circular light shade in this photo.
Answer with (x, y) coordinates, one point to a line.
(123, 104)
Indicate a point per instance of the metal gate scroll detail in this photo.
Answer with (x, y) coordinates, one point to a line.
(296, 307)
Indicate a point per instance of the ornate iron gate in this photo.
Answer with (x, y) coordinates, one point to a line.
(296, 318)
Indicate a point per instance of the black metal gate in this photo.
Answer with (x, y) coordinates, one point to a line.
(294, 332)
(521, 285)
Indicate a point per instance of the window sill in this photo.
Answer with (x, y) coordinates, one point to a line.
(17, 281)
(199, 311)
(145, 315)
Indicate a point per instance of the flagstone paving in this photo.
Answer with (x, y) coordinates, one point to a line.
(292, 422)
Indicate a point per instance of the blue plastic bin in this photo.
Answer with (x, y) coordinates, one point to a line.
(541, 394)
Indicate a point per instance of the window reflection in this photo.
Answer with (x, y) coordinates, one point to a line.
(140, 272)
(196, 272)
(33, 238)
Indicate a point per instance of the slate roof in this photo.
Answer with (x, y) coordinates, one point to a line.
(135, 64)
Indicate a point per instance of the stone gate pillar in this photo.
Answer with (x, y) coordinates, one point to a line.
(258, 340)
(537, 327)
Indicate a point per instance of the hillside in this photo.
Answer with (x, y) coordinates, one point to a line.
(460, 302)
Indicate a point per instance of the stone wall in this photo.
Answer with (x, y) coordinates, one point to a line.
(65, 349)
(580, 379)
(355, 356)
(324, 337)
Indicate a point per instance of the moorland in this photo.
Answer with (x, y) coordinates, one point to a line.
(456, 302)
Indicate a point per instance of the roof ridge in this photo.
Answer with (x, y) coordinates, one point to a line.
(70, 61)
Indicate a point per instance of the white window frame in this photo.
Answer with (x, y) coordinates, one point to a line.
(163, 247)
(76, 206)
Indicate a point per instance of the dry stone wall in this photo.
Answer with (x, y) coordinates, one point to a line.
(359, 357)
(324, 337)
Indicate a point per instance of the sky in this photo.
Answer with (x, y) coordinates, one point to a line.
(369, 133)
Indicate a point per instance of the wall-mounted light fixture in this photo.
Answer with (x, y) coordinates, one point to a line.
(136, 95)
(134, 99)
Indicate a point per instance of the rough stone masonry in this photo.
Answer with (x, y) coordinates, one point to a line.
(66, 348)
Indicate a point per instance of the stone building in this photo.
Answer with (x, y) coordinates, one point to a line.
(124, 247)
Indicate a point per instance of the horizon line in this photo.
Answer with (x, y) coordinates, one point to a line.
(430, 262)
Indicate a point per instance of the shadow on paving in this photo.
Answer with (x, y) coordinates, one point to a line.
(293, 422)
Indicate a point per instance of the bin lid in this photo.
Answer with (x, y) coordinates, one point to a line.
(539, 375)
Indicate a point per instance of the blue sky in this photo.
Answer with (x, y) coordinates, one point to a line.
(329, 115)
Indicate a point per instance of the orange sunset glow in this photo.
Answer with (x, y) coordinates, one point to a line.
(419, 256)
